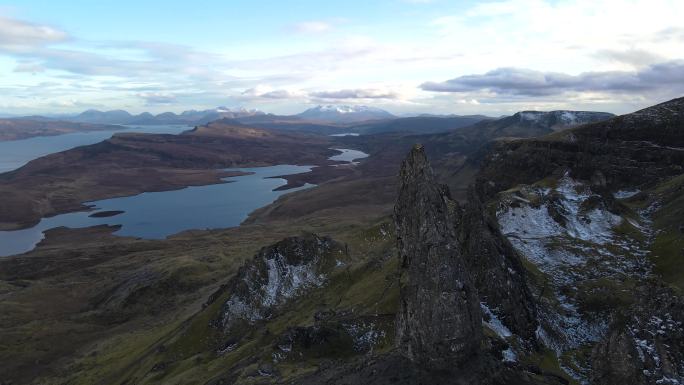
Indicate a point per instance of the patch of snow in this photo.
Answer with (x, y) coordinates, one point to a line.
(509, 355)
(530, 116)
(624, 194)
(284, 281)
(365, 334)
(568, 117)
(494, 323)
(568, 233)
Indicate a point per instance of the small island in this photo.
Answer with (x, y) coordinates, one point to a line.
(106, 214)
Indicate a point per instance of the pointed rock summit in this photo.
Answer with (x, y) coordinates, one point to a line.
(439, 322)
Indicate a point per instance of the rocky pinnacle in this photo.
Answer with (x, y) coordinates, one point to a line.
(439, 322)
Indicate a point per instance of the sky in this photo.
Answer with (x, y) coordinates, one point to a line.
(405, 56)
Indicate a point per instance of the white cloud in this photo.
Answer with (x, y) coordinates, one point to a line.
(355, 94)
(19, 35)
(313, 27)
(152, 98)
(603, 52)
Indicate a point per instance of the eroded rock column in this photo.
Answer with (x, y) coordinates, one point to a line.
(439, 322)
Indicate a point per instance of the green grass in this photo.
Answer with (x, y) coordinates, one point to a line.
(363, 288)
(549, 363)
(667, 252)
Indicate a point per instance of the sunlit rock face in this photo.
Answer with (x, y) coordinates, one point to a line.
(439, 322)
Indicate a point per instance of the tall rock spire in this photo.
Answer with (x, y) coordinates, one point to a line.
(439, 323)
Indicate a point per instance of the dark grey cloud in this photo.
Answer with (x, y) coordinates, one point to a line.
(355, 94)
(526, 82)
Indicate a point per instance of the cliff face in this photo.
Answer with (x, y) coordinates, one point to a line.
(625, 151)
(593, 212)
(439, 321)
(490, 258)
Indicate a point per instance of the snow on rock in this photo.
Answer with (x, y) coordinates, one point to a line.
(561, 118)
(365, 334)
(509, 355)
(561, 217)
(284, 282)
(277, 274)
(492, 321)
(568, 232)
(344, 113)
(624, 194)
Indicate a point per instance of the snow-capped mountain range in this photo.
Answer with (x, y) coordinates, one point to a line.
(560, 118)
(344, 113)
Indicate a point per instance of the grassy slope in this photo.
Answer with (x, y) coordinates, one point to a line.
(186, 349)
(668, 247)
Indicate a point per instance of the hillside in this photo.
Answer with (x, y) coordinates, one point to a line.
(23, 128)
(418, 125)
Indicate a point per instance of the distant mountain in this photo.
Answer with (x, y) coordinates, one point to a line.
(560, 119)
(535, 123)
(104, 117)
(191, 117)
(344, 114)
(419, 124)
(292, 123)
(28, 127)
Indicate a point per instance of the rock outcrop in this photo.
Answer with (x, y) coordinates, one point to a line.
(647, 346)
(439, 321)
(277, 274)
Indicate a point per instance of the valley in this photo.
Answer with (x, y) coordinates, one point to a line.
(549, 231)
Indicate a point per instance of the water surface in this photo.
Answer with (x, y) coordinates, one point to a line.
(156, 215)
(348, 155)
(16, 153)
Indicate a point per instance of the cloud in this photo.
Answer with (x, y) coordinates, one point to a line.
(312, 27)
(526, 82)
(157, 98)
(633, 57)
(355, 94)
(18, 35)
(267, 92)
(29, 67)
(280, 94)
